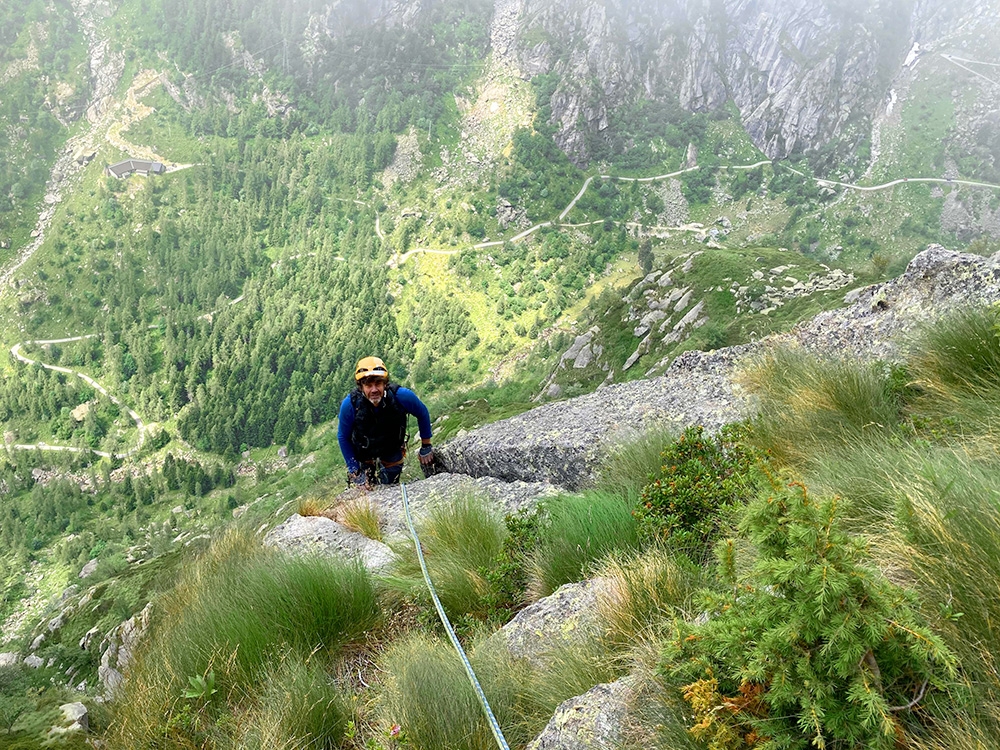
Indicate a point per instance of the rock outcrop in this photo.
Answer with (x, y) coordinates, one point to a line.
(118, 648)
(592, 721)
(558, 621)
(319, 535)
(563, 442)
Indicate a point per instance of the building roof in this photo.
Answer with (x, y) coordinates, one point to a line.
(127, 167)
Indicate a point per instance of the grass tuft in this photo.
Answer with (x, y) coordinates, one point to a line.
(428, 694)
(807, 403)
(646, 589)
(461, 539)
(238, 610)
(579, 531)
(361, 515)
(630, 465)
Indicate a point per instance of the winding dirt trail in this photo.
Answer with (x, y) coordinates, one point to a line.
(139, 424)
(399, 259)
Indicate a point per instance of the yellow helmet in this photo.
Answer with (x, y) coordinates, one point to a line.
(370, 367)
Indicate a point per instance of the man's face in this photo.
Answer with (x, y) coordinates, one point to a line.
(374, 390)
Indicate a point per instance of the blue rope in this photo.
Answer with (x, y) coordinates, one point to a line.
(490, 718)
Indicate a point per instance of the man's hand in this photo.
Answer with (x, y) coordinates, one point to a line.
(426, 454)
(360, 479)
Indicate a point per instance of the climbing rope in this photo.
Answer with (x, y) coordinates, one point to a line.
(490, 718)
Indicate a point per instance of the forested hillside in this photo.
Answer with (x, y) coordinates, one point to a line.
(485, 194)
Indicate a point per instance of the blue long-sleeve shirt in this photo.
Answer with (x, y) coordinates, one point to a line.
(405, 397)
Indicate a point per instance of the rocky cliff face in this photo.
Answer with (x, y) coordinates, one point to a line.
(801, 74)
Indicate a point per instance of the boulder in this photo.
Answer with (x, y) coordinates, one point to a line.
(89, 569)
(565, 618)
(76, 715)
(324, 536)
(563, 443)
(592, 721)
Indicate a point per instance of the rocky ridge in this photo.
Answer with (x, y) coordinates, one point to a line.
(562, 442)
(560, 446)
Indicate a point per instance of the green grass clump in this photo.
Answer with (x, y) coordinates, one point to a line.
(578, 531)
(646, 590)
(945, 541)
(299, 708)
(461, 540)
(807, 403)
(956, 363)
(238, 610)
(427, 693)
(630, 465)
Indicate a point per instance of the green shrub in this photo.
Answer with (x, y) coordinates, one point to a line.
(577, 531)
(813, 647)
(701, 477)
(507, 575)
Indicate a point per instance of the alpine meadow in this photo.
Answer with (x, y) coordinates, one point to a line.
(703, 301)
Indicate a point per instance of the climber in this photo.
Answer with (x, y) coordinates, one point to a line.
(372, 429)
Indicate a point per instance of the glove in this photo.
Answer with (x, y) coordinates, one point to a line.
(360, 479)
(426, 454)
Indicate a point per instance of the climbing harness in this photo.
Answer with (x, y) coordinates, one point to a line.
(490, 718)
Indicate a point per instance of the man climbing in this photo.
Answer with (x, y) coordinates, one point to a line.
(372, 429)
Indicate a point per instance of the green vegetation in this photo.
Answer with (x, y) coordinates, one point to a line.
(228, 301)
(811, 646)
(701, 479)
(576, 532)
(461, 539)
(264, 629)
(35, 36)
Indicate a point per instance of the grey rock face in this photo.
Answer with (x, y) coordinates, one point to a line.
(559, 620)
(801, 74)
(118, 648)
(592, 721)
(563, 443)
(878, 323)
(9, 659)
(89, 569)
(76, 715)
(321, 535)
